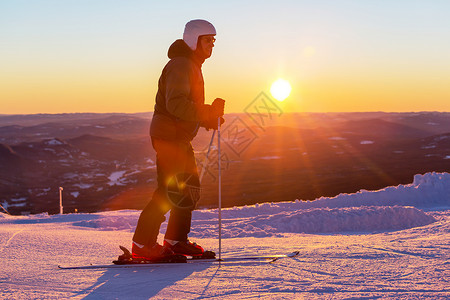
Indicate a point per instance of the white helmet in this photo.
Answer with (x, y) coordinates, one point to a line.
(196, 28)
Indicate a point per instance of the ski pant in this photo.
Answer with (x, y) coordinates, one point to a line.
(172, 158)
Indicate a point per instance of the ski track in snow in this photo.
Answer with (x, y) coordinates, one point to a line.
(392, 243)
(10, 239)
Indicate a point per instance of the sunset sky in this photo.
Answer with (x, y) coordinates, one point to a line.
(106, 56)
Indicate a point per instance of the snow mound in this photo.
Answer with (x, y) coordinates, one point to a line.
(110, 223)
(320, 220)
(431, 190)
(314, 220)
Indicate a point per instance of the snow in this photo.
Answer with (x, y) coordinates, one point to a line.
(337, 138)
(83, 185)
(115, 177)
(53, 142)
(17, 202)
(266, 158)
(392, 243)
(14, 202)
(18, 199)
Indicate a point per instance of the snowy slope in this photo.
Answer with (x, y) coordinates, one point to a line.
(390, 243)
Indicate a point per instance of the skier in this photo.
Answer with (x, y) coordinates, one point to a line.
(179, 112)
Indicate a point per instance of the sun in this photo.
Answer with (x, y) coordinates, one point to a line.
(280, 89)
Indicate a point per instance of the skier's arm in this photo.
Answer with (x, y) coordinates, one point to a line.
(178, 89)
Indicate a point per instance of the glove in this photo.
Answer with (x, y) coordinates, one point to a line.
(212, 123)
(218, 108)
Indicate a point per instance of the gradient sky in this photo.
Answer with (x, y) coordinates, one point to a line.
(106, 56)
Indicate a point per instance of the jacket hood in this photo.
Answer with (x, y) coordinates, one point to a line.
(179, 48)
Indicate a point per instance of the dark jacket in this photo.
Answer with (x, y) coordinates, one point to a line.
(180, 101)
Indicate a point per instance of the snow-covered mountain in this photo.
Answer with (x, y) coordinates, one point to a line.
(391, 243)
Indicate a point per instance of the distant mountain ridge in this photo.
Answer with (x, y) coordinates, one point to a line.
(379, 127)
(105, 161)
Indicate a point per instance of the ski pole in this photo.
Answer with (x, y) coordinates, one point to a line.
(220, 190)
(206, 158)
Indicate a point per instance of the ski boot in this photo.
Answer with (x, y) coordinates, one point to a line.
(188, 248)
(148, 255)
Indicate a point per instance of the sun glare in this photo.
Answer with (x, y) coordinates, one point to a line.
(280, 89)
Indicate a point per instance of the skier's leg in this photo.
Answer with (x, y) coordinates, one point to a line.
(179, 224)
(150, 220)
(152, 216)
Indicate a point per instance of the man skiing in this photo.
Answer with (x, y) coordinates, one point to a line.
(179, 112)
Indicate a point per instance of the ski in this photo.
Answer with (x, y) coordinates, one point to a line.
(188, 260)
(126, 258)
